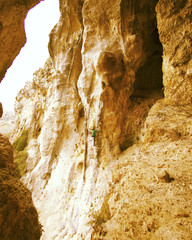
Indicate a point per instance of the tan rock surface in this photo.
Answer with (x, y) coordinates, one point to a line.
(18, 216)
(105, 72)
(7, 124)
(174, 24)
(150, 194)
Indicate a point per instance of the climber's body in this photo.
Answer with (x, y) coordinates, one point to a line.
(93, 134)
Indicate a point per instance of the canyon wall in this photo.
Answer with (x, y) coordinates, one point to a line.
(18, 216)
(109, 64)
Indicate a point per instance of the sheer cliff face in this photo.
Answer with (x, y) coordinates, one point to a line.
(99, 49)
(18, 216)
(105, 72)
(174, 23)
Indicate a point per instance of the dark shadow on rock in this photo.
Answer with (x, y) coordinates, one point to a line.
(18, 216)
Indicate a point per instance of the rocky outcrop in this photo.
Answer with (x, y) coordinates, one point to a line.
(7, 124)
(12, 32)
(105, 72)
(174, 24)
(18, 216)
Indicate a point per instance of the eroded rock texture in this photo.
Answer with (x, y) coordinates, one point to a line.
(174, 23)
(18, 216)
(12, 33)
(105, 72)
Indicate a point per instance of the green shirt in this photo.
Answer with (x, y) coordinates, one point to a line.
(93, 131)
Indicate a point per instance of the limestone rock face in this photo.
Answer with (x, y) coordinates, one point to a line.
(18, 216)
(174, 24)
(12, 33)
(105, 72)
(7, 124)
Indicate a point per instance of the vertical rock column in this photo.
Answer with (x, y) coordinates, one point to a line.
(65, 51)
(117, 41)
(174, 24)
(103, 85)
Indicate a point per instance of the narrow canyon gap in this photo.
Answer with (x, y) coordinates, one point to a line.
(18, 216)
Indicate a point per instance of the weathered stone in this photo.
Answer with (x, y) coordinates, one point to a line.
(174, 24)
(95, 62)
(18, 216)
(7, 124)
(105, 72)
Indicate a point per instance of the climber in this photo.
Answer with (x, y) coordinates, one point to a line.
(93, 134)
